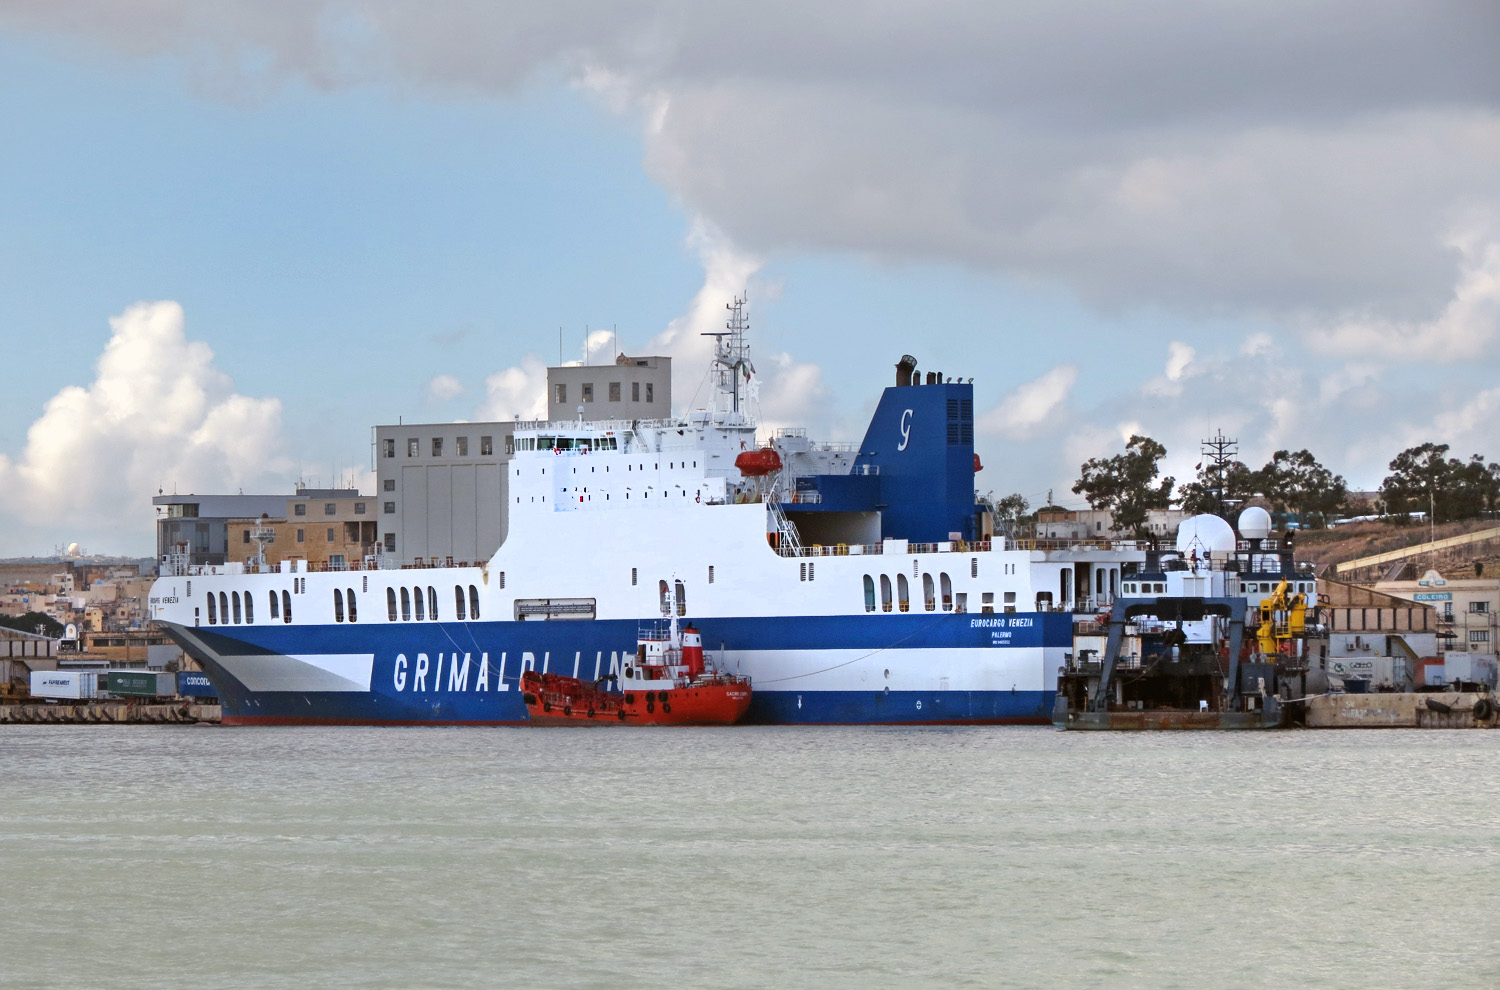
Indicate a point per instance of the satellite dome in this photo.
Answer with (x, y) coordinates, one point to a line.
(1206, 534)
(1255, 523)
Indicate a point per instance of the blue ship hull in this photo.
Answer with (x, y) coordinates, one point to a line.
(804, 670)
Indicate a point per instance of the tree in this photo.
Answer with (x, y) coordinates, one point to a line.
(30, 621)
(1126, 484)
(1202, 496)
(1423, 480)
(1298, 483)
(1010, 510)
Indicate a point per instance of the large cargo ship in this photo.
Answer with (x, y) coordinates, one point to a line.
(852, 584)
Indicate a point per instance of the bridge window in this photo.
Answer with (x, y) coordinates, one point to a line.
(945, 585)
(929, 595)
(420, 608)
(903, 593)
(249, 608)
(681, 600)
(474, 599)
(275, 612)
(338, 605)
(666, 598)
(353, 617)
(213, 610)
(286, 606)
(405, 605)
(390, 603)
(458, 602)
(223, 608)
(869, 594)
(432, 609)
(885, 593)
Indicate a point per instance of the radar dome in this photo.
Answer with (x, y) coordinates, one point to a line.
(1206, 534)
(1255, 523)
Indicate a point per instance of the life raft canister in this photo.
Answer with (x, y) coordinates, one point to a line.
(692, 650)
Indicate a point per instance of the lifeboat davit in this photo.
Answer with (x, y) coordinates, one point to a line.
(758, 463)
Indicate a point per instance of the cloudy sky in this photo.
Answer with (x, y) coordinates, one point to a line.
(234, 236)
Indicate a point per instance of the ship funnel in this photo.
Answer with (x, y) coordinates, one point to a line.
(905, 369)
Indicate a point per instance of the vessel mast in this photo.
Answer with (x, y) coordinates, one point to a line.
(1220, 451)
(732, 353)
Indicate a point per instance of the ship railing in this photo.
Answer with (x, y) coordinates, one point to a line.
(1082, 543)
(888, 547)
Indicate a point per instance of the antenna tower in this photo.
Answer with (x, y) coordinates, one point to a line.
(1219, 452)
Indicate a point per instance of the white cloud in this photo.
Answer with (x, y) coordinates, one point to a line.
(1032, 404)
(1180, 367)
(158, 414)
(1466, 328)
(727, 273)
(792, 393)
(1141, 156)
(521, 390)
(443, 388)
(518, 392)
(1257, 345)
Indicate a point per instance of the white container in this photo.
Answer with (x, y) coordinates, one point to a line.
(1472, 668)
(65, 685)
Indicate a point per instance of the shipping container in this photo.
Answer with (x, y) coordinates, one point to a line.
(1470, 668)
(68, 685)
(142, 683)
(192, 684)
(1381, 672)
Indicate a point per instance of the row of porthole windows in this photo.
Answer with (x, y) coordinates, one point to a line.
(230, 608)
(585, 497)
(901, 601)
(673, 465)
(423, 608)
(338, 606)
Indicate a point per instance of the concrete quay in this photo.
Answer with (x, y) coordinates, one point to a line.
(109, 712)
(1403, 710)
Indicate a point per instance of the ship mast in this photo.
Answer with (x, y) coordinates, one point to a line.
(731, 367)
(1220, 451)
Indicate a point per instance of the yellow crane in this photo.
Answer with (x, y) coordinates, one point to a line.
(1283, 618)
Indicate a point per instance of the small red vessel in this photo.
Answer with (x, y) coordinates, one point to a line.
(671, 682)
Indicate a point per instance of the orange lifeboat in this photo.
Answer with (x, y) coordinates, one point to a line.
(758, 463)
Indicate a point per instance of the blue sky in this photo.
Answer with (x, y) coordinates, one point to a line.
(381, 224)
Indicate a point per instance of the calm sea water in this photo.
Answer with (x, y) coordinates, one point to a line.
(829, 857)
